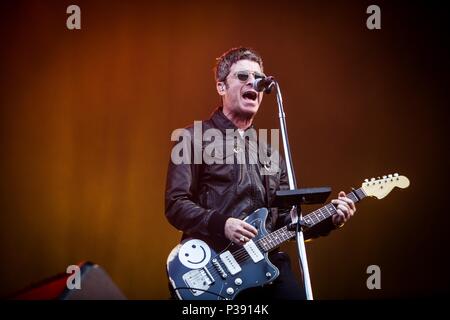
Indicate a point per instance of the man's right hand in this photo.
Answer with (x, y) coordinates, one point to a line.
(239, 231)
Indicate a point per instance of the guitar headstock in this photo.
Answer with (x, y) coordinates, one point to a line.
(381, 187)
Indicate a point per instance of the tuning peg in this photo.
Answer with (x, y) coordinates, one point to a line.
(395, 174)
(390, 176)
(366, 180)
(373, 179)
(384, 177)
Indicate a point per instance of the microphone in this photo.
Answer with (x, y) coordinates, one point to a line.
(264, 84)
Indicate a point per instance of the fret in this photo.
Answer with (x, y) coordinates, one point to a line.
(352, 197)
(270, 239)
(319, 214)
(263, 244)
(308, 219)
(282, 236)
(279, 236)
(314, 218)
(360, 193)
(324, 213)
(356, 195)
(276, 238)
(327, 213)
(330, 209)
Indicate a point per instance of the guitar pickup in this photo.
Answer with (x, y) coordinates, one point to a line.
(253, 251)
(230, 262)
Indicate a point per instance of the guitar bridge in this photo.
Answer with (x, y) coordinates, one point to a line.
(198, 280)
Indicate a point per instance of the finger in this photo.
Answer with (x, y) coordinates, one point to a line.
(345, 209)
(246, 234)
(242, 240)
(350, 202)
(342, 216)
(337, 202)
(346, 202)
(250, 228)
(348, 205)
(339, 217)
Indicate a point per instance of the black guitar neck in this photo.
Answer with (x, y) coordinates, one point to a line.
(274, 239)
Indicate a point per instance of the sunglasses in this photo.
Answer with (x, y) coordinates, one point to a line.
(244, 74)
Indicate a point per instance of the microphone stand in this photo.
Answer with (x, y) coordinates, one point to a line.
(293, 185)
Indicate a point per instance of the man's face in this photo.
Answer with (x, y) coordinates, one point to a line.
(239, 97)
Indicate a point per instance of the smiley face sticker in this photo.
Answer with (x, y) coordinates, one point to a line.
(194, 254)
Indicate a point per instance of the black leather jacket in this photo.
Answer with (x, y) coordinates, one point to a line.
(201, 197)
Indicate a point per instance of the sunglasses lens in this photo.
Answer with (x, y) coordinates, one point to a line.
(242, 75)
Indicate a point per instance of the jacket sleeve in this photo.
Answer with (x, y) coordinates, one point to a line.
(321, 229)
(181, 201)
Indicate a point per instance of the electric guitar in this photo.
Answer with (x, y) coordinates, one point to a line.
(197, 272)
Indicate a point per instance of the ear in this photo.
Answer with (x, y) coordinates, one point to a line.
(220, 86)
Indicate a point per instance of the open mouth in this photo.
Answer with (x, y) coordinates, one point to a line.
(250, 95)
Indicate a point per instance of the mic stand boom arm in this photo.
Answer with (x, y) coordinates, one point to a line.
(303, 262)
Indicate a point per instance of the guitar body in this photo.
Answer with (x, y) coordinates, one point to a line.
(197, 271)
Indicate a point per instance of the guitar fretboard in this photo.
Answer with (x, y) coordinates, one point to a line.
(274, 239)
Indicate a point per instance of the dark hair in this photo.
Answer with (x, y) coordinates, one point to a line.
(226, 60)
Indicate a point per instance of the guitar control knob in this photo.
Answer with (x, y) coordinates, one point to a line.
(238, 281)
(230, 291)
(268, 275)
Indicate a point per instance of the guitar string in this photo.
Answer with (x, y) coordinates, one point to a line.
(319, 215)
(241, 255)
(266, 243)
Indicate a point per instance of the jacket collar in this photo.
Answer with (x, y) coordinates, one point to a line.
(221, 121)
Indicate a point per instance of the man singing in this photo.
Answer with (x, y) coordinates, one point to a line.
(210, 200)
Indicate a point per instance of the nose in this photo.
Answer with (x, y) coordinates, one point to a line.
(250, 80)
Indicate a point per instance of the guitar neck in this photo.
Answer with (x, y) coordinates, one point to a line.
(274, 239)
